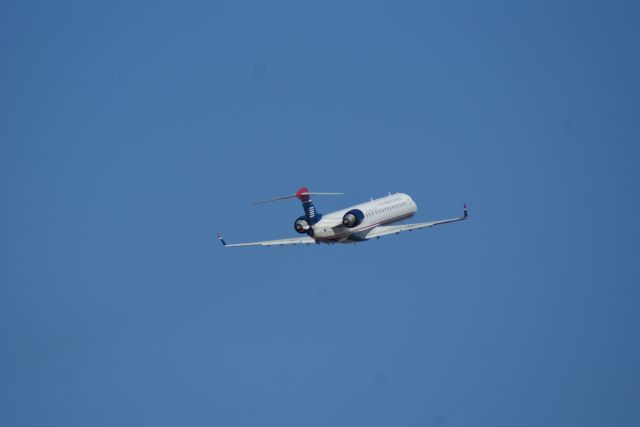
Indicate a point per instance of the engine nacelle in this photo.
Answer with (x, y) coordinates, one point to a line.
(301, 225)
(353, 218)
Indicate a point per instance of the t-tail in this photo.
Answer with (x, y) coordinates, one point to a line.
(304, 195)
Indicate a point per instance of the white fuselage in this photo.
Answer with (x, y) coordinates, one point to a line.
(383, 211)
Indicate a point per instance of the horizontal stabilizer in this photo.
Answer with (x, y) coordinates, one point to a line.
(300, 194)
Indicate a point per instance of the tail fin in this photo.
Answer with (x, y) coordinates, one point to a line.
(304, 195)
(307, 204)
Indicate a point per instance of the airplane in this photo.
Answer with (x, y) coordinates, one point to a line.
(354, 224)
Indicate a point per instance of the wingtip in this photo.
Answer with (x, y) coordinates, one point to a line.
(221, 240)
(466, 212)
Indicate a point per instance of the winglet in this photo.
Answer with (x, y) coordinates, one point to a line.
(466, 212)
(222, 240)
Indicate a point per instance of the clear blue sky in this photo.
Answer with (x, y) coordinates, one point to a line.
(132, 131)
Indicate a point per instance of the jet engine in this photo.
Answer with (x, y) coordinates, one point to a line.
(353, 218)
(301, 225)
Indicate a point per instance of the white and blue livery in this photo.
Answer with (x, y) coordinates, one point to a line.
(357, 223)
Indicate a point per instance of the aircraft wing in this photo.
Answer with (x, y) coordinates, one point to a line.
(384, 230)
(302, 240)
